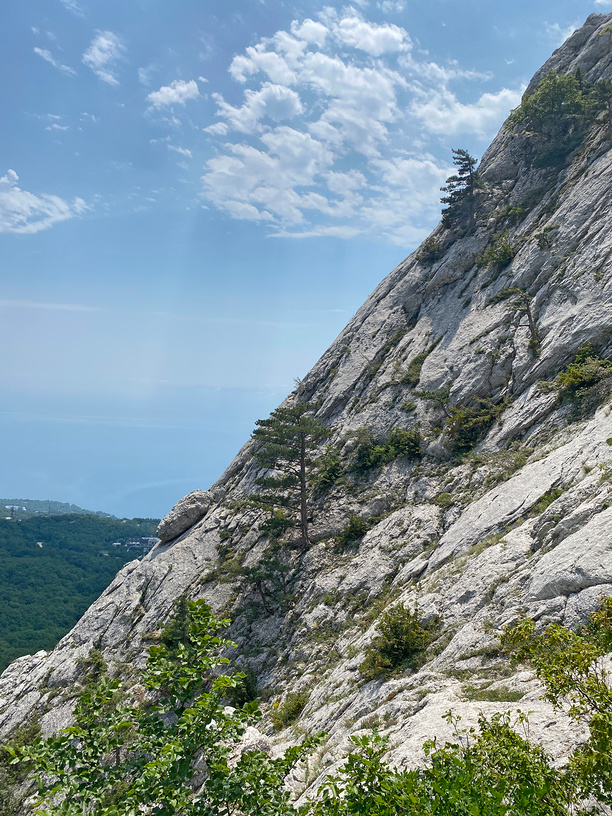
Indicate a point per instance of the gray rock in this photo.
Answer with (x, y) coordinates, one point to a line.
(185, 513)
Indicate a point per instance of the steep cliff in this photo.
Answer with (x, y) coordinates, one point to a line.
(492, 340)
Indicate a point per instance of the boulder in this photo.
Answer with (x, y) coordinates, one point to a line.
(185, 513)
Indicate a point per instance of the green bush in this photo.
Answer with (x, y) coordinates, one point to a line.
(11, 775)
(444, 500)
(372, 453)
(408, 406)
(354, 530)
(469, 424)
(276, 525)
(413, 372)
(246, 689)
(287, 712)
(400, 643)
(430, 251)
(545, 500)
(584, 380)
(327, 470)
(498, 254)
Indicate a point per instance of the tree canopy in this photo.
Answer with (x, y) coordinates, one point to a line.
(288, 439)
(459, 189)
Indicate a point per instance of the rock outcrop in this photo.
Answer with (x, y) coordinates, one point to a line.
(507, 512)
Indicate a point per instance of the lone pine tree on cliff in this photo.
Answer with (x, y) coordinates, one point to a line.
(288, 438)
(460, 190)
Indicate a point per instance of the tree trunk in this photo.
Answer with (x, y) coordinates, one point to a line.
(303, 504)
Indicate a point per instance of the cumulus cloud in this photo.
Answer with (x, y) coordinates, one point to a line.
(325, 137)
(178, 92)
(48, 57)
(275, 102)
(23, 212)
(102, 55)
(443, 113)
(604, 3)
(371, 38)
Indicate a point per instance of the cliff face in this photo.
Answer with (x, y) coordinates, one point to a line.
(507, 512)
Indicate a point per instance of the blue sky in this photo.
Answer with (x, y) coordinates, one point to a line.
(195, 197)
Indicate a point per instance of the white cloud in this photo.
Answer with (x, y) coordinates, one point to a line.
(604, 3)
(391, 6)
(72, 6)
(371, 38)
(361, 104)
(218, 129)
(145, 75)
(275, 102)
(52, 307)
(310, 32)
(48, 57)
(443, 113)
(105, 50)
(23, 212)
(178, 92)
(182, 151)
(558, 34)
(257, 59)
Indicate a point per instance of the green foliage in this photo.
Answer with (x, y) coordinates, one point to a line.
(169, 755)
(409, 407)
(444, 500)
(245, 691)
(505, 294)
(546, 236)
(553, 107)
(430, 251)
(585, 381)
(490, 772)
(373, 453)
(275, 526)
(413, 372)
(498, 695)
(545, 500)
(468, 424)
(570, 664)
(460, 189)
(288, 438)
(354, 530)
(327, 470)
(269, 577)
(287, 712)
(558, 112)
(498, 254)
(13, 775)
(400, 643)
(46, 589)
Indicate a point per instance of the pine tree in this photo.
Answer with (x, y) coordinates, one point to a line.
(288, 437)
(460, 189)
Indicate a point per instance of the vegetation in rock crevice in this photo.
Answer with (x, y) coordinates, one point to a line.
(372, 452)
(400, 644)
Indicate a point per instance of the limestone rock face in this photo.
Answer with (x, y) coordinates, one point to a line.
(516, 522)
(185, 513)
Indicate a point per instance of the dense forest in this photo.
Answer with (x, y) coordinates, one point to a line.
(51, 569)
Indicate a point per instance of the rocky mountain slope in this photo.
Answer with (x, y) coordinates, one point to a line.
(493, 341)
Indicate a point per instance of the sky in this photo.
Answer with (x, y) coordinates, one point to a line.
(196, 197)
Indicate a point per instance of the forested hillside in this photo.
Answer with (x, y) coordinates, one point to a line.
(51, 569)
